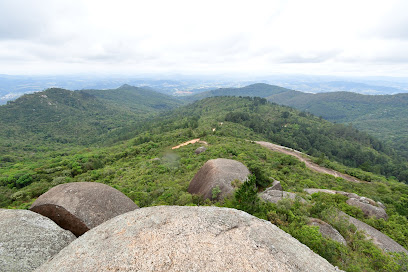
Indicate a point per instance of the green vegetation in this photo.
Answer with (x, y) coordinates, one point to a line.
(57, 118)
(138, 160)
(254, 90)
(378, 115)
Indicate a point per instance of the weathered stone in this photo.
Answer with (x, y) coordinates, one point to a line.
(80, 206)
(276, 185)
(274, 196)
(379, 204)
(368, 209)
(200, 149)
(168, 238)
(367, 205)
(217, 175)
(378, 238)
(313, 190)
(349, 195)
(28, 239)
(327, 230)
(367, 201)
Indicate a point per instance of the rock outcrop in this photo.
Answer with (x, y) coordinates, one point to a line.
(368, 209)
(349, 195)
(314, 190)
(28, 239)
(327, 230)
(217, 175)
(379, 239)
(274, 196)
(169, 238)
(200, 149)
(367, 205)
(276, 185)
(80, 206)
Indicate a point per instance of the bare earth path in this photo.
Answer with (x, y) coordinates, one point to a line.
(311, 165)
(189, 142)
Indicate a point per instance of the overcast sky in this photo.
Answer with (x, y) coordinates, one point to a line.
(204, 37)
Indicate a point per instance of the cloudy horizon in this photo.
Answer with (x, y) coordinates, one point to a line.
(340, 38)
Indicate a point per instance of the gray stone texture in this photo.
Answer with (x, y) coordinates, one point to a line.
(28, 239)
(367, 205)
(274, 196)
(369, 210)
(80, 206)
(169, 238)
(313, 190)
(200, 149)
(327, 230)
(379, 239)
(276, 185)
(217, 173)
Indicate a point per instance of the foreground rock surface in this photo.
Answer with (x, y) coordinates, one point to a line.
(274, 196)
(80, 206)
(379, 239)
(218, 173)
(28, 240)
(327, 230)
(169, 238)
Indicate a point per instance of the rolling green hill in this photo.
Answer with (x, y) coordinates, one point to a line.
(258, 90)
(57, 117)
(136, 99)
(383, 116)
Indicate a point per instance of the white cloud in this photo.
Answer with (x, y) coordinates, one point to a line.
(203, 37)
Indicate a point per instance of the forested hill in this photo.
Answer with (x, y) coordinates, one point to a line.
(383, 116)
(258, 90)
(299, 130)
(137, 99)
(58, 116)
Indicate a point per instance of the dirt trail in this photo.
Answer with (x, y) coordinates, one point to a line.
(311, 165)
(189, 142)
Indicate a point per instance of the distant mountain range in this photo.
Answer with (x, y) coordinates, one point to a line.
(13, 86)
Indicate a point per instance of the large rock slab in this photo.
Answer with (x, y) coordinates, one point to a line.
(274, 196)
(327, 230)
(169, 238)
(28, 239)
(379, 239)
(217, 174)
(369, 210)
(80, 206)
